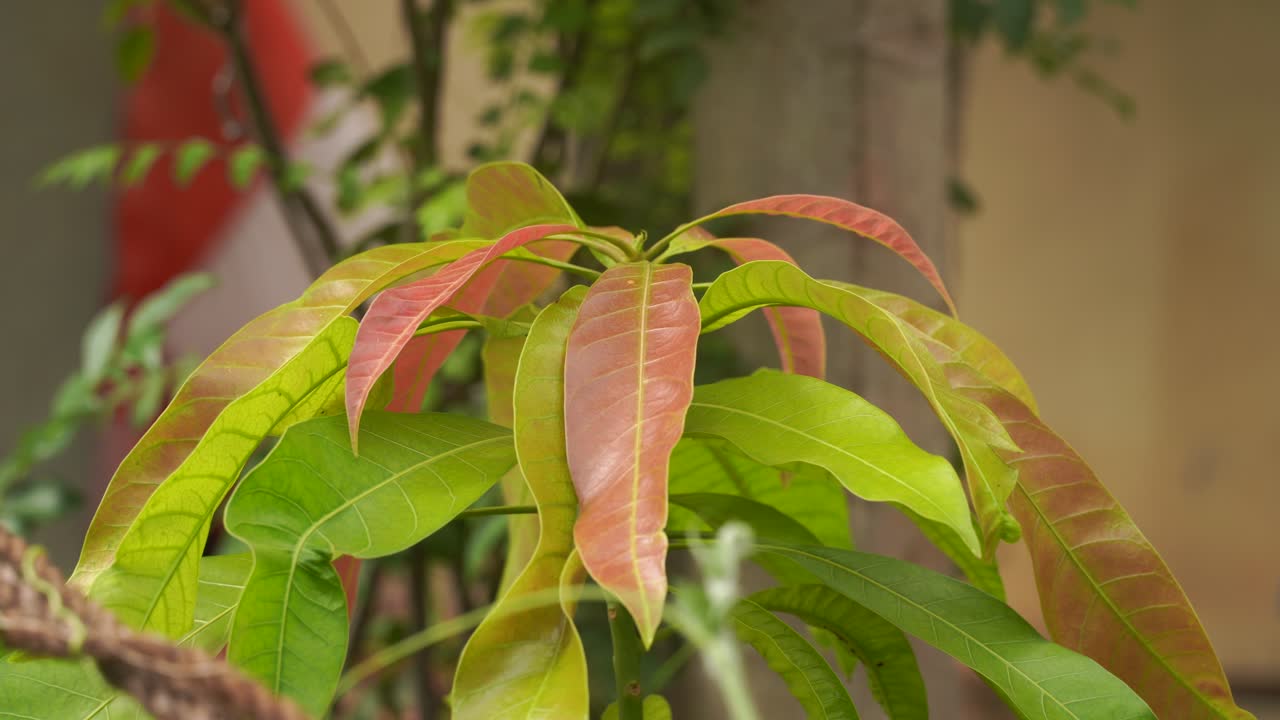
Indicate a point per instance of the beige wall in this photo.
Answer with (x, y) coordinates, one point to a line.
(1132, 270)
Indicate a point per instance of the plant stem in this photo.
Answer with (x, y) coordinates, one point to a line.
(426, 40)
(443, 325)
(573, 50)
(614, 119)
(627, 652)
(500, 510)
(606, 243)
(323, 250)
(418, 623)
(567, 267)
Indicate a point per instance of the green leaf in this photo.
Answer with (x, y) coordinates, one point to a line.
(628, 381)
(530, 663)
(808, 420)
(1104, 589)
(191, 157)
(808, 676)
(152, 582)
(243, 365)
(134, 52)
(978, 434)
(243, 164)
(1039, 679)
(311, 501)
(222, 580)
(803, 493)
(654, 707)
(40, 689)
(86, 166)
(884, 651)
(141, 159)
(160, 306)
(330, 73)
(503, 196)
(767, 522)
(391, 90)
(1015, 20)
(98, 344)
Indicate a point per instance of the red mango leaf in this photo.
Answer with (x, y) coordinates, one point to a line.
(246, 360)
(843, 214)
(1104, 588)
(502, 196)
(628, 378)
(395, 315)
(797, 331)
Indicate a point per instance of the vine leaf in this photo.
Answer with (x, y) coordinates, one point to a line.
(530, 663)
(977, 432)
(1038, 679)
(808, 420)
(242, 363)
(628, 381)
(810, 679)
(884, 651)
(1104, 589)
(797, 331)
(395, 314)
(845, 215)
(311, 500)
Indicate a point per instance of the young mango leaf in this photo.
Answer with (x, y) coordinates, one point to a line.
(152, 582)
(396, 313)
(312, 500)
(628, 381)
(808, 420)
(222, 579)
(530, 663)
(1038, 678)
(977, 432)
(804, 493)
(245, 361)
(810, 679)
(845, 215)
(1104, 589)
(797, 331)
(891, 665)
(503, 196)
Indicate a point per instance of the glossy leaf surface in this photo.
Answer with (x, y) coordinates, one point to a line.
(797, 331)
(810, 679)
(1041, 680)
(244, 361)
(977, 432)
(529, 663)
(396, 314)
(808, 420)
(804, 493)
(890, 662)
(311, 500)
(1104, 588)
(628, 381)
(152, 584)
(845, 215)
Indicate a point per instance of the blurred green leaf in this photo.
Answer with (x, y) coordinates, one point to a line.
(141, 160)
(330, 73)
(160, 306)
(86, 166)
(244, 164)
(1014, 19)
(190, 157)
(391, 90)
(134, 51)
(99, 340)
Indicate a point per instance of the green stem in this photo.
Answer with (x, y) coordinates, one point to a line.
(443, 325)
(549, 262)
(627, 652)
(610, 246)
(500, 510)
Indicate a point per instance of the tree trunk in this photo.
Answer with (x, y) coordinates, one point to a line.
(851, 98)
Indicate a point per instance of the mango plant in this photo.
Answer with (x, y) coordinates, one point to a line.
(597, 430)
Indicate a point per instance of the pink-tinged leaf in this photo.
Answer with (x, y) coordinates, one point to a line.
(1104, 589)
(843, 214)
(797, 331)
(395, 314)
(503, 196)
(243, 362)
(628, 382)
(520, 283)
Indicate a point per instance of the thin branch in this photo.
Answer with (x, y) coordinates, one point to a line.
(426, 696)
(573, 51)
(426, 39)
(627, 652)
(625, 86)
(549, 262)
(346, 37)
(228, 24)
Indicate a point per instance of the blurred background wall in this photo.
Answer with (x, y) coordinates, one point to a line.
(1131, 269)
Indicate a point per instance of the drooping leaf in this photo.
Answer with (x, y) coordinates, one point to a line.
(892, 671)
(843, 214)
(1104, 589)
(810, 679)
(977, 432)
(1038, 678)
(530, 663)
(396, 313)
(94, 164)
(808, 420)
(628, 381)
(245, 361)
(311, 500)
(160, 306)
(804, 493)
(802, 343)
(152, 582)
